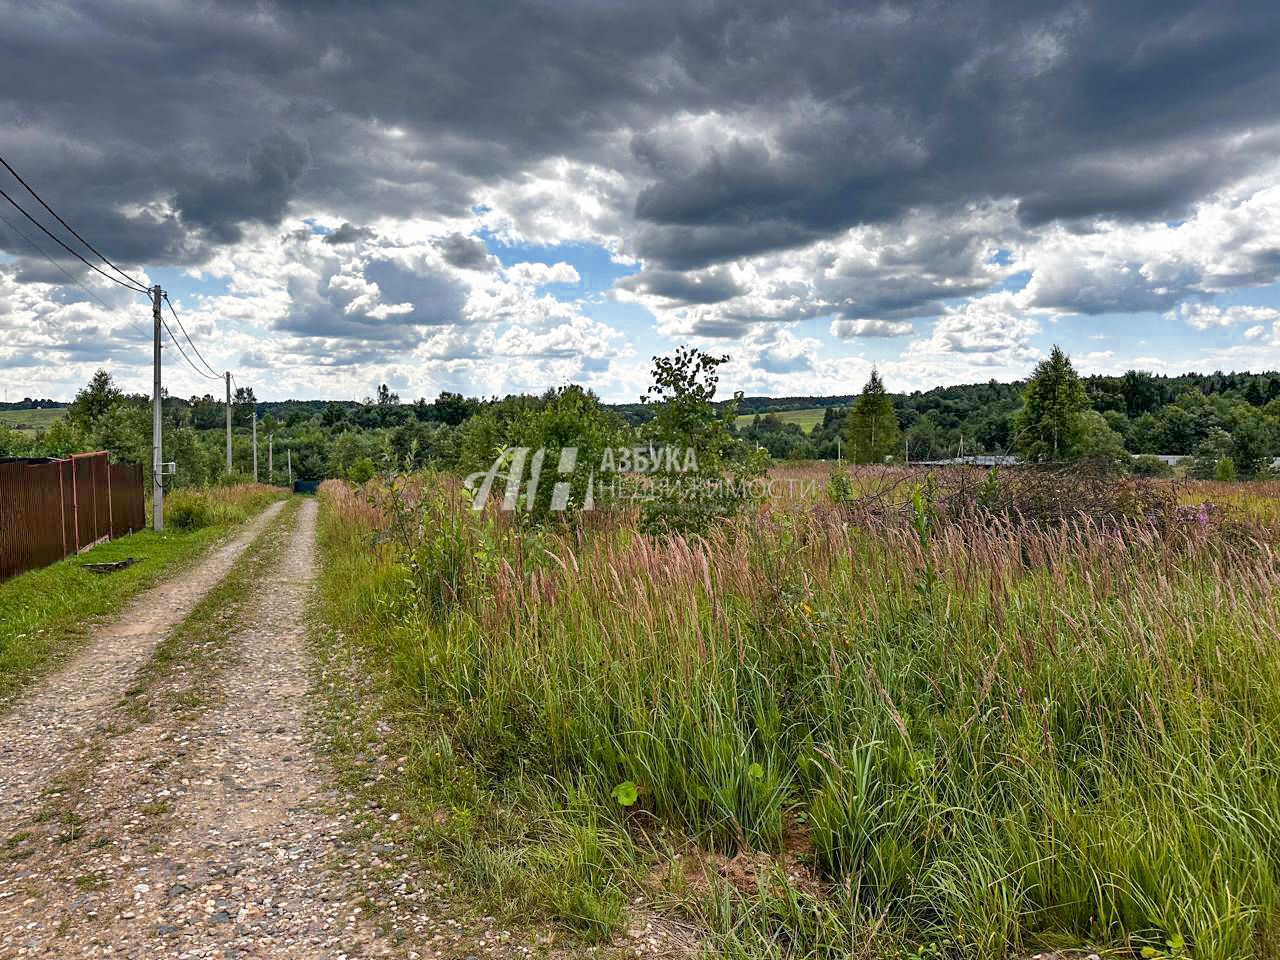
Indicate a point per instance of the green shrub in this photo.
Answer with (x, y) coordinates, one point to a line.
(1149, 465)
(188, 510)
(195, 509)
(362, 470)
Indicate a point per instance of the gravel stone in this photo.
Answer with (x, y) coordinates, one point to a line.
(215, 830)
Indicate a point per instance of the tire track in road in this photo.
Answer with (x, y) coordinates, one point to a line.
(218, 831)
(43, 731)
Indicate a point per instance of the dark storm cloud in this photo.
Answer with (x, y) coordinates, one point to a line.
(465, 253)
(347, 233)
(220, 203)
(436, 299)
(165, 130)
(712, 286)
(979, 103)
(39, 270)
(389, 320)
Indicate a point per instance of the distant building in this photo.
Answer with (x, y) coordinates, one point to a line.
(980, 460)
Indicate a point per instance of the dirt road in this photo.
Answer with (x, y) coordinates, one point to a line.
(39, 736)
(193, 817)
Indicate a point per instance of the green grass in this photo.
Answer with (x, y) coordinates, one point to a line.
(812, 736)
(807, 418)
(46, 613)
(40, 419)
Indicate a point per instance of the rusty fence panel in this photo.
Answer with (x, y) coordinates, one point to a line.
(54, 508)
(82, 493)
(128, 506)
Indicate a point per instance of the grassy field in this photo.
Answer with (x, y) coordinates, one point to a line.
(807, 418)
(30, 419)
(832, 729)
(45, 613)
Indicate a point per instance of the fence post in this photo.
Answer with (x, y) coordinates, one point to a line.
(97, 528)
(111, 514)
(75, 503)
(62, 509)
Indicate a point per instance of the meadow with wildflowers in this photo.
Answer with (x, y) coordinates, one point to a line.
(926, 724)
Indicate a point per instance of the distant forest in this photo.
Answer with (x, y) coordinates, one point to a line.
(1152, 414)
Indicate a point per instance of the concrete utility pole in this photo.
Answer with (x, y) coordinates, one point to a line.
(271, 449)
(157, 453)
(289, 457)
(255, 441)
(228, 421)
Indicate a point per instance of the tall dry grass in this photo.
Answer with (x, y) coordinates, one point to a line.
(980, 736)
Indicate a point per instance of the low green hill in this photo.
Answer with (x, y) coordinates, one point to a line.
(807, 418)
(31, 419)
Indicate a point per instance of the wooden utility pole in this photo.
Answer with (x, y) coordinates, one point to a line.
(228, 421)
(289, 457)
(157, 450)
(271, 447)
(255, 441)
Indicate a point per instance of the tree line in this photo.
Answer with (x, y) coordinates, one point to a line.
(1224, 425)
(1204, 417)
(1223, 422)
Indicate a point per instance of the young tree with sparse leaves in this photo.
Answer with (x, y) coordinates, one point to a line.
(693, 491)
(872, 429)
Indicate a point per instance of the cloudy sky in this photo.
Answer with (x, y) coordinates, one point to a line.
(493, 197)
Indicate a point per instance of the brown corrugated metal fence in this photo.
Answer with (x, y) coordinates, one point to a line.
(53, 508)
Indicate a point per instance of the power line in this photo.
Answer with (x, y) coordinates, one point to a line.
(38, 250)
(188, 336)
(174, 340)
(31, 191)
(139, 289)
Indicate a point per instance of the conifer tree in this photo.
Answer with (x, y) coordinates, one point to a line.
(1050, 427)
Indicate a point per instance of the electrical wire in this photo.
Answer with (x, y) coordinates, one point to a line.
(131, 284)
(188, 336)
(32, 191)
(69, 276)
(174, 340)
(58, 241)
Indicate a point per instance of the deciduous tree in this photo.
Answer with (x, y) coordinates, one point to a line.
(872, 429)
